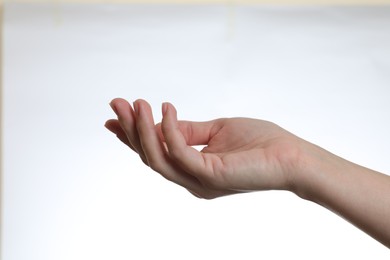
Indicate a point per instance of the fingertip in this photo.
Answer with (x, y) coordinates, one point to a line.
(113, 106)
(164, 108)
(116, 101)
(136, 107)
(169, 113)
(111, 125)
(141, 105)
(107, 125)
(140, 102)
(113, 101)
(119, 105)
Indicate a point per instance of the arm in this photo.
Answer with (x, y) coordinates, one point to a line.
(358, 194)
(244, 155)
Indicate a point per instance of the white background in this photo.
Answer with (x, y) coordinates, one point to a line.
(73, 191)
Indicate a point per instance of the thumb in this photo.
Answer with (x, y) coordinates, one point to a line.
(194, 133)
(176, 136)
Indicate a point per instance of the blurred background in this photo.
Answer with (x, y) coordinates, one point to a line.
(71, 190)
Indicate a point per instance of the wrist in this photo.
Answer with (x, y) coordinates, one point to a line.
(313, 171)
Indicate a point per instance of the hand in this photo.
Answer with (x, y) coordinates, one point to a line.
(244, 154)
(240, 154)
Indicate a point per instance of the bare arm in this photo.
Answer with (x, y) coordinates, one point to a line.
(358, 194)
(244, 154)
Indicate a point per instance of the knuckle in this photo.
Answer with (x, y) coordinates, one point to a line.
(143, 158)
(154, 165)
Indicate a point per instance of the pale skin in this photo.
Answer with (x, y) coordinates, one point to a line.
(242, 155)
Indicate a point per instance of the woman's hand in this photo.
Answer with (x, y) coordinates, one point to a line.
(243, 155)
(240, 154)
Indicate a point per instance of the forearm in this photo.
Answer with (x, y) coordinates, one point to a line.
(358, 194)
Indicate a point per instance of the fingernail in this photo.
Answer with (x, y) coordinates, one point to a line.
(113, 108)
(164, 108)
(136, 108)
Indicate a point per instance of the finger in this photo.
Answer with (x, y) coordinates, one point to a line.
(187, 157)
(155, 151)
(126, 117)
(114, 126)
(194, 133)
